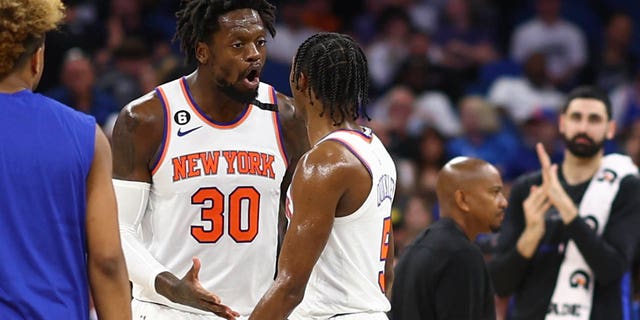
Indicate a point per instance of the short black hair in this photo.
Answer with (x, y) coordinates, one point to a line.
(198, 20)
(336, 69)
(589, 92)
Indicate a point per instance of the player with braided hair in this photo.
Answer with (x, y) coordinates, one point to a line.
(200, 169)
(338, 251)
(59, 229)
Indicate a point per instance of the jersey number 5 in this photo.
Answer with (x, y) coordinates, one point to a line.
(248, 196)
(384, 250)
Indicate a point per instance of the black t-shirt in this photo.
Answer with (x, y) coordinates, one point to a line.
(532, 282)
(442, 275)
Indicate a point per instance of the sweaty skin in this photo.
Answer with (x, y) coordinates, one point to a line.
(223, 64)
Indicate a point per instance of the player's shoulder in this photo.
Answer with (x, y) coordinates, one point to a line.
(65, 113)
(147, 109)
(331, 159)
(140, 122)
(286, 106)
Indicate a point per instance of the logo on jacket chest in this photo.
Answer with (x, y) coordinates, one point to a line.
(234, 162)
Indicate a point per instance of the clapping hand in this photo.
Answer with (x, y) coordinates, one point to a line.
(553, 189)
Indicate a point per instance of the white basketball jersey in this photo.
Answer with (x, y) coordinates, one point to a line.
(349, 275)
(215, 195)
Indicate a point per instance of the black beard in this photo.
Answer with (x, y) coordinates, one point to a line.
(582, 150)
(244, 97)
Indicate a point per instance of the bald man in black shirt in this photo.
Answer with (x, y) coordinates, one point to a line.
(442, 275)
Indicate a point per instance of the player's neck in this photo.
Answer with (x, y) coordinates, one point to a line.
(320, 127)
(14, 82)
(577, 170)
(216, 104)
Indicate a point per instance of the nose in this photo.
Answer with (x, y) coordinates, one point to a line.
(504, 203)
(581, 126)
(253, 53)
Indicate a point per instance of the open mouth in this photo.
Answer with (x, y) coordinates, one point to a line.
(252, 78)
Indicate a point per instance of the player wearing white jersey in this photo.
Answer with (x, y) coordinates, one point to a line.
(337, 256)
(199, 166)
(348, 276)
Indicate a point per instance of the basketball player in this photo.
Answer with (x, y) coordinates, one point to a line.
(199, 167)
(338, 251)
(58, 221)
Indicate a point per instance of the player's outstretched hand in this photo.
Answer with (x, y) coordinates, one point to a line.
(188, 291)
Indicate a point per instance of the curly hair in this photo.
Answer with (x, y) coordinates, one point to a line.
(337, 72)
(22, 29)
(198, 20)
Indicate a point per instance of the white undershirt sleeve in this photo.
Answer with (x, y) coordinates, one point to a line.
(132, 197)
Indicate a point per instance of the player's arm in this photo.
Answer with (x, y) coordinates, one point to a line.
(105, 260)
(296, 143)
(317, 187)
(137, 136)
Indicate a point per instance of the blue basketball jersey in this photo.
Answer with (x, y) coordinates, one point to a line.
(46, 150)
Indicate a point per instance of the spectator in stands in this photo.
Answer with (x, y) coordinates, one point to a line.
(80, 29)
(464, 41)
(131, 74)
(291, 33)
(616, 63)
(559, 40)
(625, 103)
(521, 97)
(416, 216)
(432, 156)
(395, 110)
(418, 71)
(483, 135)
(389, 48)
(540, 127)
(78, 89)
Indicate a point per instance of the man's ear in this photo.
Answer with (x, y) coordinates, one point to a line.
(611, 129)
(36, 66)
(303, 82)
(202, 52)
(461, 200)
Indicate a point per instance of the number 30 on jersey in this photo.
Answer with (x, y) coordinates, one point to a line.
(248, 196)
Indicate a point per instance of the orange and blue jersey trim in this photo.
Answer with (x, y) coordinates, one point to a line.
(203, 116)
(352, 150)
(367, 135)
(166, 136)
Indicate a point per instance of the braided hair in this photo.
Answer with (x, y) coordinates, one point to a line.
(198, 20)
(337, 72)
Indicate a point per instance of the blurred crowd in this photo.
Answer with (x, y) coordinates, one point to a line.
(482, 78)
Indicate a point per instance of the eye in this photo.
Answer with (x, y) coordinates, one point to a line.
(594, 118)
(575, 117)
(261, 42)
(237, 45)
